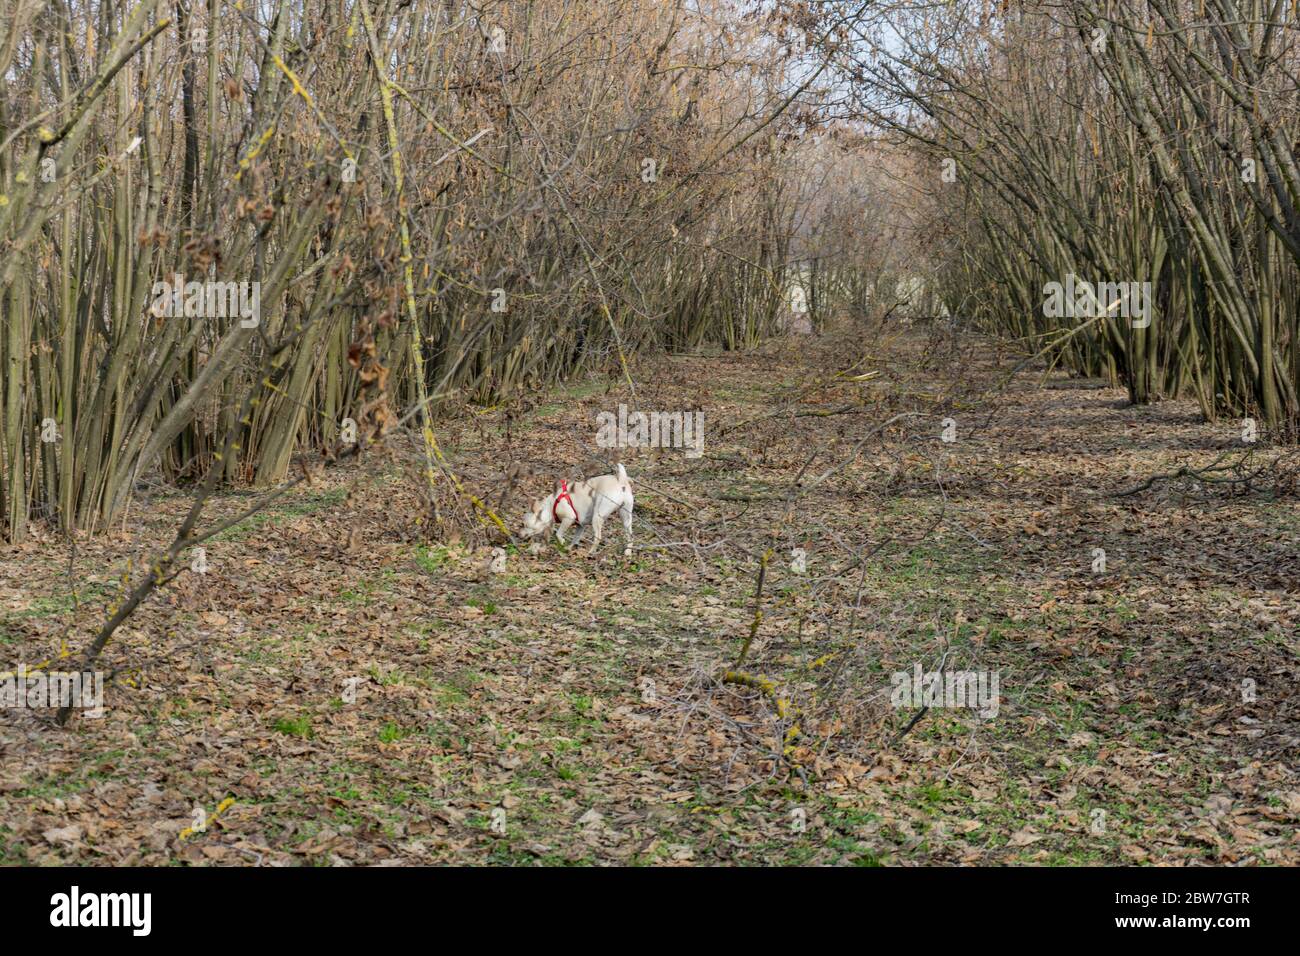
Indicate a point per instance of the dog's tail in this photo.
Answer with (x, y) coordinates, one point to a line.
(622, 474)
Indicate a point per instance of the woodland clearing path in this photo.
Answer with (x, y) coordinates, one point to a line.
(1147, 712)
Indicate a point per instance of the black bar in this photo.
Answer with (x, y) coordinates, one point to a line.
(335, 906)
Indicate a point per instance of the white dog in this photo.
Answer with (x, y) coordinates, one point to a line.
(584, 503)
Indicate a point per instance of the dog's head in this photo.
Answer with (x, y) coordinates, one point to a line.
(537, 519)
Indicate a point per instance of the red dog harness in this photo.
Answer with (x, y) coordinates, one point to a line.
(564, 496)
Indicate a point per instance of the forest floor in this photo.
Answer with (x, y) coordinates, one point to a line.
(337, 689)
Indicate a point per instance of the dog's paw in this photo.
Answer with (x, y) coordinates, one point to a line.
(627, 552)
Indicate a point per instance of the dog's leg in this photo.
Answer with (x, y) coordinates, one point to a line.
(626, 514)
(562, 527)
(597, 523)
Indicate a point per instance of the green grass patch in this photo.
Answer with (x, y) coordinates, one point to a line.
(294, 727)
